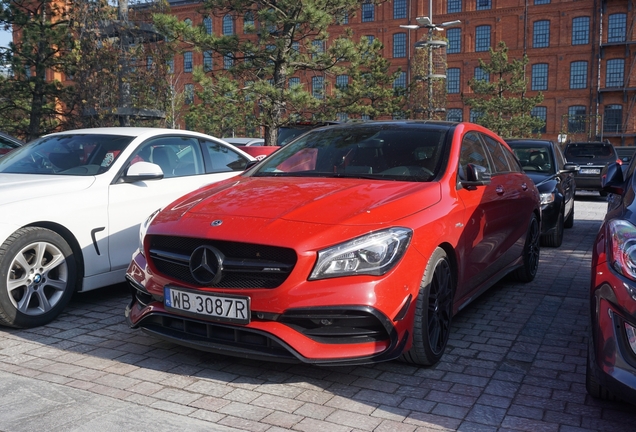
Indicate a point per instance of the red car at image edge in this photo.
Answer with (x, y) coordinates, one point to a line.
(355, 243)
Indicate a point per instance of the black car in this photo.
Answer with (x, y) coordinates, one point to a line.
(611, 363)
(591, 157)
(544, 163)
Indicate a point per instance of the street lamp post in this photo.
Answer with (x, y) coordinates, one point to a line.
(430, 44)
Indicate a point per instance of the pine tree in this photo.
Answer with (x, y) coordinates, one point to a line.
(283, 39)
(500, 102)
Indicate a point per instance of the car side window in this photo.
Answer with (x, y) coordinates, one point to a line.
(221, 158)
(513, 161)
(497, 153)
(472, 152)
(177, 156)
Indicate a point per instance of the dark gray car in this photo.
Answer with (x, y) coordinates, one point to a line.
(591, 157)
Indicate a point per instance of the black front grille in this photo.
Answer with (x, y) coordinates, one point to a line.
(245, 265)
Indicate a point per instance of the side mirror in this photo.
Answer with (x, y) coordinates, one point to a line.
(476, 175)
(612, 179)
(141, 171)
(570, 167)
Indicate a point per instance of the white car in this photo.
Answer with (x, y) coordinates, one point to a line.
(71, 204)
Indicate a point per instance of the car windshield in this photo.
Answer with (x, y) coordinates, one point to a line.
(70, 154)
(407, 153)
(535, 158)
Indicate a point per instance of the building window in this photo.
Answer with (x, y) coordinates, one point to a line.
(454, 6)
(481, 75)
(541, 34)
(581, 31)
(188, 22)
(319, 48)
(149, 63)
(484, 4)
(613, 119)
(369, 39)
(540, 112)
(578, 75)
(187, 61)
(228, 61)
(188, 91)
(576, 119)
(616, 25)
(539, 76)
(293, 82)
(452, 80)
(248, 22)
(615, 73)
(454, 36)
(399, 9)
(482, 38)
(207, 61)
(474, 115)
(368, 11)
(454, 114)
(228, 25)
(400, 83)
(342, 116)
(342, 18)
(342, 82)
(317, 87)
(399, 45)
(171, 66)
(540, 2)
(207, 23)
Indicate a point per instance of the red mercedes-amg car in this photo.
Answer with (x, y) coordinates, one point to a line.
(355, 243)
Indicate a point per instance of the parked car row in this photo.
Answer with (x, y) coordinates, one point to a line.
(353, 243)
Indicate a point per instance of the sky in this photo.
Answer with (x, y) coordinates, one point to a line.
(5, 38)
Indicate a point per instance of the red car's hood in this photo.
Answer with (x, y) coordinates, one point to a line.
(312, 200)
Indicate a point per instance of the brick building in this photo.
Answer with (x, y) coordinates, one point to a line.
(581, 54)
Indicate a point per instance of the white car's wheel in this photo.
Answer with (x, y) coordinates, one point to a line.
(37, 277)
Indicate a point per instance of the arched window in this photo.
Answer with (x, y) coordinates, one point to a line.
(207, 23)
(248, 22)
(228, 25)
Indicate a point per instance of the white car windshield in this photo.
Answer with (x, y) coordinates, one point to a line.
(68, 154)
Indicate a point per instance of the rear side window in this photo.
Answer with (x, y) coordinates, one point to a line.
(222, 158)
(472, 152)
(497, 153)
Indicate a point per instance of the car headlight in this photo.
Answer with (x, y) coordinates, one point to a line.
(371, 254)
(622, 239)
(143, 228)
(547, 198)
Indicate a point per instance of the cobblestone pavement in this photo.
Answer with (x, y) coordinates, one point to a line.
(515, 361)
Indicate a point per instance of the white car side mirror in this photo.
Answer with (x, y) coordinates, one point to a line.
(143, 171)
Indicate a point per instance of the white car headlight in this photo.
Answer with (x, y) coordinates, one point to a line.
(622, 243)
(143, 228)
(547, 198)
(372, 254)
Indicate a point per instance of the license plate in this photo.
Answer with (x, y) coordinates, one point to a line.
(590, 171)
(226, 308)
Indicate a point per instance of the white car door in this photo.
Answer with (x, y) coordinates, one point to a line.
(185, 169)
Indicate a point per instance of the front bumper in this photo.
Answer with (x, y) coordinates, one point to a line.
(329, 322)
(613, 310)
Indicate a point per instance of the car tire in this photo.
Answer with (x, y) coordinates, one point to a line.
(593, 387)
(433, 312)
(555, 237)
(37, 277)
(569, 221)
(531, 249)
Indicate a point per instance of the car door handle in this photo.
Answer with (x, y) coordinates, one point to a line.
(499, 189)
